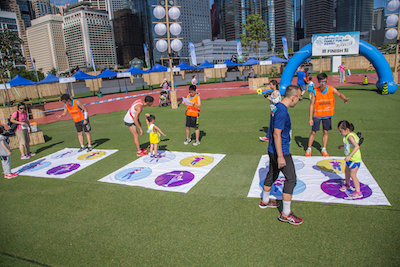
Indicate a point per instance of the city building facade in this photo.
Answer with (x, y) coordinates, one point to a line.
(88, 31)
(356, 15)
(220, 50)
(319, 17)
(12, 6)
(129, 40)
(195, 21)
(46, 43)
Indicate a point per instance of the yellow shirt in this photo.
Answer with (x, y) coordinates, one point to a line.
(154, 135)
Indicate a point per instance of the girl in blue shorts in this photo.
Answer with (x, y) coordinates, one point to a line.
(353, 158)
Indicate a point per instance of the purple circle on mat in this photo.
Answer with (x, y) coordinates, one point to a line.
(332, 186)
(174, 178)
(64, 168)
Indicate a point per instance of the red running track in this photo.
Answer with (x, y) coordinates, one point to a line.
(206, 91)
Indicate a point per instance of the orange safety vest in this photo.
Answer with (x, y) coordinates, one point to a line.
(324, 105)
(193, 111)
(75, 111)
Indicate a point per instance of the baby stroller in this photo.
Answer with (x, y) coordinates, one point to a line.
(164, 98)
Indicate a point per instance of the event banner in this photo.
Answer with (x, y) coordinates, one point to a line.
(171, 171)
(63, 163)
(319, 180)
(192, 54)
(331, 44)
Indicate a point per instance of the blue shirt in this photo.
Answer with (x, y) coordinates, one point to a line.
(300, 77)
(280, 119)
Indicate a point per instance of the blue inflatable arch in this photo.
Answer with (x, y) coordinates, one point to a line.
(368, 51)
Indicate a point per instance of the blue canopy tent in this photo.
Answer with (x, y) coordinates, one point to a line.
(80, 75)
(251, 61)
(18, 81)
(49, 79)
(184, 66)
(157, 68)
(205, 65)
(107, 74)
(134, 71)
(232, 64)
(276, 59)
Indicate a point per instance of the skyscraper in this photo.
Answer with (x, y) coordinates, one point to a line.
(46, 43)
(196, 23)
(354, 15)
(128, 40)
(41, 8)
(96, 4)
(319, 16)
(12, 6)
(284, 23)
(85, 30)
(232, 14)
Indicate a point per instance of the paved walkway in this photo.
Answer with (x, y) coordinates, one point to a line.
(206, 91)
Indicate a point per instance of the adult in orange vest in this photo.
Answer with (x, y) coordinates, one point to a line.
(193, 106)
(322, 109)
(131, 120)
(80, 116)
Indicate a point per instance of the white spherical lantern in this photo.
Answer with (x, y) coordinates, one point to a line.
(393, 5)
(392, 20)
(162, 45)
(391, 34)
(174, 12)
(160, 29)
(176, 45)
(175, 28)
(159, 12)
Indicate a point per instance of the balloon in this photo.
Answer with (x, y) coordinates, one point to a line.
(160, 29)
(174, 12)
(392, 20)
(162, 45)
(176, 45)
(175, 28)
(393, 5)
(159, 12)
(391, 34)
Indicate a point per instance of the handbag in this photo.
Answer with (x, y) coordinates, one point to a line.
(12, 126)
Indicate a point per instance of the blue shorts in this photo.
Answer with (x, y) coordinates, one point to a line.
(326, 124)
(302, 87)
(353, 165)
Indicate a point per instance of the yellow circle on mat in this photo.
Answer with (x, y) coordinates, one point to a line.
(92, 155)
(332, 165)
(197, 161)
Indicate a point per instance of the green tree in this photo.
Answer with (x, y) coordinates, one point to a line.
(256, 32)
(10, 54)
(53, 71)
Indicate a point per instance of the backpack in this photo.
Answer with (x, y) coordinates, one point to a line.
(12, 126)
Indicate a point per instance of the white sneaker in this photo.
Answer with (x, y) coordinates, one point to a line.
(196, 143)
(187, 141)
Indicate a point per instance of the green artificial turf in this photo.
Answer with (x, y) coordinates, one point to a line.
(78, 221)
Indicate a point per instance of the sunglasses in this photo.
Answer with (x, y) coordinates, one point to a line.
(22, 108)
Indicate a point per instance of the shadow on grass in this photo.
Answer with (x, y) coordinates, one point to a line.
(303, 142)
(47, 138)
(47, 147)
(265, 130)
(202, 133)
(99, 142)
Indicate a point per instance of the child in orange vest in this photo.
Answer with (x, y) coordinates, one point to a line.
(193, 106)
(322, 109)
